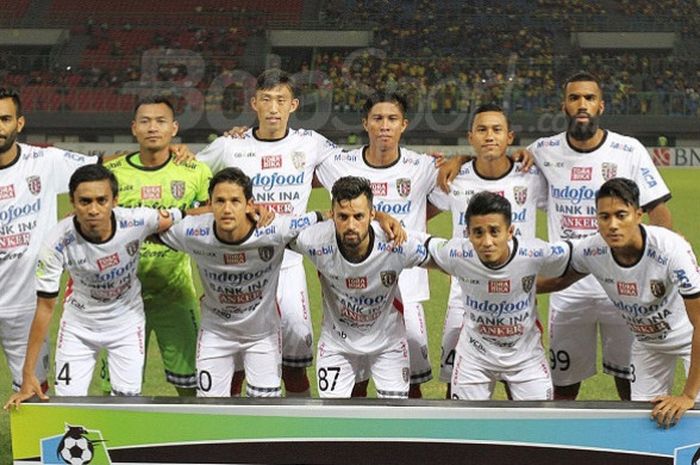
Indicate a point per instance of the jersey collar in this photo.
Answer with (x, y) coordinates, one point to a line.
(286, 133)
(364, 159)
(130, 156)
(16, 159)
(602, 141)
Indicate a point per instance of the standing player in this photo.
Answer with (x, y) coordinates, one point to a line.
(150, 178)
(491, 171)
(239, 266)
(30, 179)
(501, 338)
(281, 163)
(363, 329)
(103, 309)
(575, 164)
(652, 277)
(401, 181)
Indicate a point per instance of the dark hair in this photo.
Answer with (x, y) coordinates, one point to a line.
(489, 107)
(90, 173)
(583, 76)
(619, 188)
(154, 100)
(14, 95)
(487, 203)
(275, 77)
(234, 176)
(382, 97)
(351, 187)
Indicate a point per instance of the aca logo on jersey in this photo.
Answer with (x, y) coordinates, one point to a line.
(628, 289)
(7, 192)
(356, 283)
(581, 173)
(108, 261)
(234, 258)
(151, 192)
(499, 286)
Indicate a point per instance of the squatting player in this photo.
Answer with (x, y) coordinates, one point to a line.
(99, 247)
(239, 266)
(363, 329)
(652, 278)
(30, 179)
(491, 170)
(150, 178)
(401, 181)
(501, 339)
(281, 163)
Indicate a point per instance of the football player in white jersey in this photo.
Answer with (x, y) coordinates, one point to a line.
(652, 277)
(491, 170)
(576, 163)
(239, 266)
(363, 329)
(281, 162)
(501, 339)
(30, 179)
(401, 181)
(99, 247)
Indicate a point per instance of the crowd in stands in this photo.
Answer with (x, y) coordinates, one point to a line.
(446, 56)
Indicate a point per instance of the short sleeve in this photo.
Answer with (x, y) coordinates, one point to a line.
(49, 267)
(214, 154)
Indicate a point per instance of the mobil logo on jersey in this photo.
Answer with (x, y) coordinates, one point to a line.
(627, 289)
(132, 223)
(359, 282)
(581, 173)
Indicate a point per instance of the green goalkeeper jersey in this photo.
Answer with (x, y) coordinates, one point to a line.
(161, 269)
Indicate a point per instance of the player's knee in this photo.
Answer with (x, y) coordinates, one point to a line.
(569, 392)
(295, 379)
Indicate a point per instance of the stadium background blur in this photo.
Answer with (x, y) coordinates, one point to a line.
(80, 66)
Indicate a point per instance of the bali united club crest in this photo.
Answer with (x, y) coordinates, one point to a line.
(177, 189)
(658, 288)
(132, 248)
(299, 160)
(266, 253)
(403, 186)
(34, 183)
(388, 278)
(609, 170)
(527, 282)
(520, 195)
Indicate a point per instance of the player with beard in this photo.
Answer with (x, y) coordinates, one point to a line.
(576, 163)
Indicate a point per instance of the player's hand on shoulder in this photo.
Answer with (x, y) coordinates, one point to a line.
(181, 153)
(114, 156)
(263, 216)
(525, 158)
(669, 409)
(449, 169)
(236, 132)
(30, 388)
(392, 228)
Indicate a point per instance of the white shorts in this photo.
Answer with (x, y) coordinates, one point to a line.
(417, 337)
(573, 339)
(78, 346)
(293, 301)
(14, 334)
(531, 381)
(654, 371)
(216, 362)
(338, 371)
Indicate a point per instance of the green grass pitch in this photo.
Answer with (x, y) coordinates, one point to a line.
(600, 387)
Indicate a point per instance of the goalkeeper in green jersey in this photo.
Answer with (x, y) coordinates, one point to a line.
(150, 178)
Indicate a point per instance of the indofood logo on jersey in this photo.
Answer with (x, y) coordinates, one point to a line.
(520, 195)
(269, 181)
(76, 446)
(177, 189)
(403, 187)
(34, 184)
(608, 170)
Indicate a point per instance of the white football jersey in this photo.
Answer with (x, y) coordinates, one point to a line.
(239, 279)
(362, 305)
(574, 177)
(526, 192)
(28, 210)
(281, 170)
(500, 327)
(400, 190)
(648, 294)
(103, 287)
